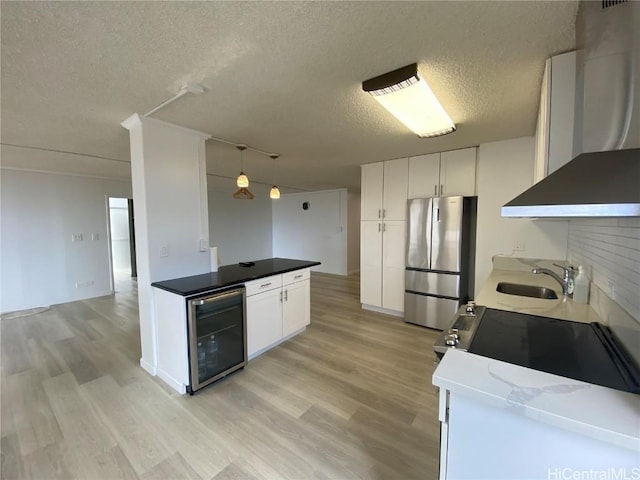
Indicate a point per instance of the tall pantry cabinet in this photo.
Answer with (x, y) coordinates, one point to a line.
(382, 233)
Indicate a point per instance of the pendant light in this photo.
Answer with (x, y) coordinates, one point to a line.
(274, 193)
(243, 192)
(243, 180)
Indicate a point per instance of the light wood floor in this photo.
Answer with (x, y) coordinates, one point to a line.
(351, 397)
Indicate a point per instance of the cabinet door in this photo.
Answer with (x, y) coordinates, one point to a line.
(296, 307)
(264, 320)
(371, 263)
(458, 172)
(371, 191)
(396, 178)
(424, 176)
(393, 264)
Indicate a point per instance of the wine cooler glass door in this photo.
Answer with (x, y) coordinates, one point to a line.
(217, 341)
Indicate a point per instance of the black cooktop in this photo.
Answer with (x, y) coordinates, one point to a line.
(583, 351)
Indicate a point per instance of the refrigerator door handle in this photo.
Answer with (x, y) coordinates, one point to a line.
(436, 212)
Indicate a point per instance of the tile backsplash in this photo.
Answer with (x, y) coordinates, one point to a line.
(609, 249)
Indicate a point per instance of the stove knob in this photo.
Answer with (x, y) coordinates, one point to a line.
(471, 308)
(450, 340)
(453, 332)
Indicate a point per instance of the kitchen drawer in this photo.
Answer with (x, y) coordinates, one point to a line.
(263, 284)
(296, 276)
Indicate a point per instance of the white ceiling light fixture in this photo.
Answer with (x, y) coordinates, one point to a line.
(408, 98)
(274, 193)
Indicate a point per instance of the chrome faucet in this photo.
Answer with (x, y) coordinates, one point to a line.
(566, 282)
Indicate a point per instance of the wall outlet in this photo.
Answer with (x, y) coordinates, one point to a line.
(77, 237)
(95, 236)
(518, 246)
(164, 251)
(88, 283)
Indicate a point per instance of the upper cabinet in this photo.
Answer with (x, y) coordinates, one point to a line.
(384, 190)
(443, 174)
(554, 130)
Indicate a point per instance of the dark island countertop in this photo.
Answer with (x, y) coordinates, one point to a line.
(228, 275)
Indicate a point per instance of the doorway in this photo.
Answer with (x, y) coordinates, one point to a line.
(122, 241)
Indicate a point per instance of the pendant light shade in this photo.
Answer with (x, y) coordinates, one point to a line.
(274, 193)
(243, 180)
(408, 98)
(243, 194)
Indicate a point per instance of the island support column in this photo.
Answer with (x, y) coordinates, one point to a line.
(168, 173)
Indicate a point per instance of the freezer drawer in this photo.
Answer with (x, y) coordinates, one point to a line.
(432, 312)
(444, 284)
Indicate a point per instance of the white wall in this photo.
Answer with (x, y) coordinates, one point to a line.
(319, 233)
(241, 229)
(40, 212)
(353, 232)
(505, 169)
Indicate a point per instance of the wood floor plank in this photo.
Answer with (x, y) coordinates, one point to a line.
(47, 463)
(11, 461)
(138, 440)
(173, 467)
(73, 352)
(78, 422)
(35, 423)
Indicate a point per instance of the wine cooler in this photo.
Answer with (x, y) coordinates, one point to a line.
(217, 336)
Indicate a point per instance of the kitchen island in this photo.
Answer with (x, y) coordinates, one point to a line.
(273, 298)
(501, 420)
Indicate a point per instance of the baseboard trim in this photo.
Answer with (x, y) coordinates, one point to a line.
(386, 311)
(179, 387)
(147, 367)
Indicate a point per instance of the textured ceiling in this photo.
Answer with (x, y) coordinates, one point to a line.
(279, 76)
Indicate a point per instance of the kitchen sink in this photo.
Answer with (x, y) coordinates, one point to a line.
(526, 290)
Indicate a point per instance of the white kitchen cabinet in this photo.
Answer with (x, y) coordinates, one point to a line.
(371, 263)
(554, 128)
(278, 307)
(295, 307)
(443, 174)
(264, 320)
(371, 191)
(382, 264)
(384, 190)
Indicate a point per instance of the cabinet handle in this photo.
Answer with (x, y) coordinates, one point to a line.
(441, 189)
(286, 295)
(384, 227)
(280, 297)
(384, 213)
(379, 227)
(298, 276)
(379, 213)
(265, 285)
(435, 190)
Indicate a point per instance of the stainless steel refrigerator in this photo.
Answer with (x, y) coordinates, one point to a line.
(439, 274)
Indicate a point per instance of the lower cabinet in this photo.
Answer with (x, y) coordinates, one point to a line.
(264, 320)
(382, 264)
(277, 308)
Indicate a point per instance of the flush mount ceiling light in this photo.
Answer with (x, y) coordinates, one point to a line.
(242, 181)
(274, 193)
(408, 98)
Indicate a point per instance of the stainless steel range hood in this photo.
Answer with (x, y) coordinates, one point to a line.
(606, 181)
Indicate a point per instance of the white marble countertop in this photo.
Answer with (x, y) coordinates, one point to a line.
(602, 413)
(516, 270)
